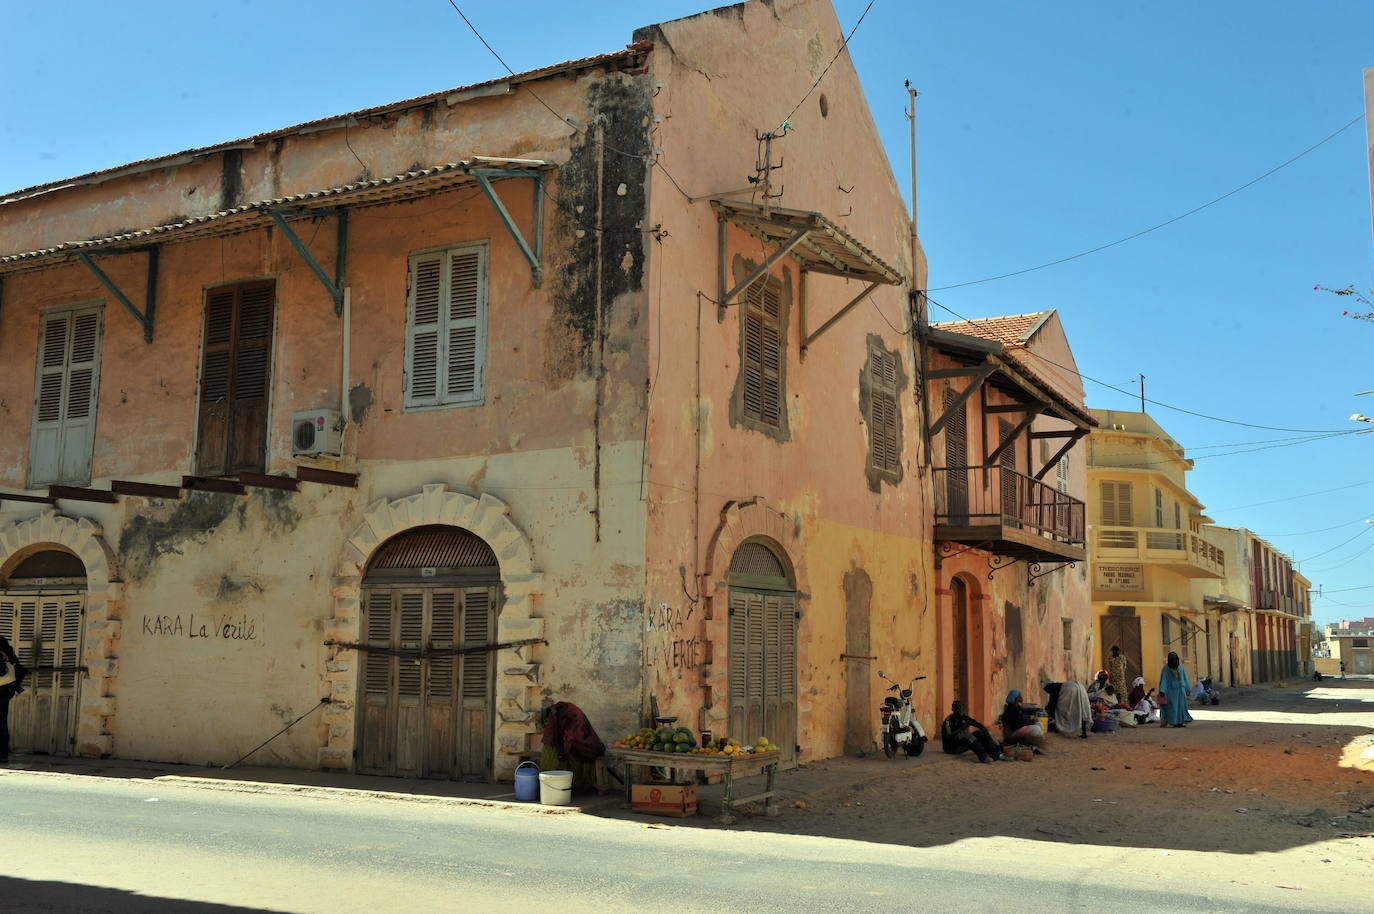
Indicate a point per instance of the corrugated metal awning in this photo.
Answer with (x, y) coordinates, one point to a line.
(826, 248)
(394, 189)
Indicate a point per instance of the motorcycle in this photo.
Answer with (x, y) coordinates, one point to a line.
(901, 729)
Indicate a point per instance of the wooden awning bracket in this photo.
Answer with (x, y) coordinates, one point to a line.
(977, 376)
(533, 252)
(335, 286)
(1073, 438)
(808, 339)
(727, 298)
(1032, 411)
(146, 316)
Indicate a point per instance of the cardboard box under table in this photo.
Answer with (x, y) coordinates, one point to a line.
(684, 765)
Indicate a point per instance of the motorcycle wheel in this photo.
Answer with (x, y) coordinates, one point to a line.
(889, 746)
(915, 747)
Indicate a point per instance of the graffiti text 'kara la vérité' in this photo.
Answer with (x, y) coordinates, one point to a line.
(244, 628)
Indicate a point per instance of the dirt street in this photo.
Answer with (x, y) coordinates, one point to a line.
(1272, 773)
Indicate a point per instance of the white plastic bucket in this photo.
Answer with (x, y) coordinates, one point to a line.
(555, 788)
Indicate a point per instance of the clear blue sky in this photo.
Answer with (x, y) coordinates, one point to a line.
(1045, 129)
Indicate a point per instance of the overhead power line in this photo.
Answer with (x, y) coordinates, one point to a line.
(1275, 501)
(1074, 371)
(844, 45)
(1167, 222)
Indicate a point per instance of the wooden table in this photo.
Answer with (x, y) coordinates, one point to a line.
(728, 765)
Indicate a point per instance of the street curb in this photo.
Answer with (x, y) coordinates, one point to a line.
(306, 790)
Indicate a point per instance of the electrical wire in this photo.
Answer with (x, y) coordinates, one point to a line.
(1000, 338)
(1142, 232)
(1358, 520)
(844, 45)
(1259, 504)
(1330, 568)
(1338, 545)
(652, 160)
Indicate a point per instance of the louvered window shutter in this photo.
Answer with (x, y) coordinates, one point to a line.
(882, 426)
(65, 397)
(235, 378)
(446, 317)
(763, 354)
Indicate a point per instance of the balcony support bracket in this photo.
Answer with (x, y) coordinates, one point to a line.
(997, 562)
(1074, 437)
(946, 551)
(1033, 570)
(1032, 410)
(976, 375)
(146, 316)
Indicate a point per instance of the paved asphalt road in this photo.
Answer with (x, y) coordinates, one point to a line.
(76, 845)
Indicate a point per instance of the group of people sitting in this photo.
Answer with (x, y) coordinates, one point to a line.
(1072, 710)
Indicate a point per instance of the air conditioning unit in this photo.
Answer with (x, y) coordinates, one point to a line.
(317, 431)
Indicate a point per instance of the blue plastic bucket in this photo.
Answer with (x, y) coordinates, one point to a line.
(527, 782)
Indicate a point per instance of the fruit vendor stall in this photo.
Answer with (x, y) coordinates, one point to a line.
(676, 749)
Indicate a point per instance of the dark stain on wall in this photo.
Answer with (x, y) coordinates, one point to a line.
(230, 178)
(162, 530)
(875, 476)
(1016, 645)
(621, 104)
(359, 402)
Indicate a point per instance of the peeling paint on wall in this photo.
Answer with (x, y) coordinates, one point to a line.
(162, 529)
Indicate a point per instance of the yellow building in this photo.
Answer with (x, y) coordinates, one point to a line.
(1146, 550)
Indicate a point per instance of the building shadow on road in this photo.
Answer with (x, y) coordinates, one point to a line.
(29, 896)
(1268, 770)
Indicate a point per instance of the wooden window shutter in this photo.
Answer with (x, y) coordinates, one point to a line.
(423, 320)
(443, 614)
(65, 397)
(763, 354)
(446, 317)
(411, 638)
(883, 406)
(477, 631)
(956, 433)
(377, 666)
(1116, 504)
(235, 378)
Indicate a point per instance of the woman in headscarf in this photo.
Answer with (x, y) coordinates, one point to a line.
(1018, 726)
(1096, 687)
(1069, 710)
(1139, 700)
(1173, 690)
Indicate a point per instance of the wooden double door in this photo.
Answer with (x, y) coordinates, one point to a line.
(45, 629)
(424, 712)
(1124, 632)
(763, 669)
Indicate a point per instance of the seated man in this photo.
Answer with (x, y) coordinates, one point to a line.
(960, 733)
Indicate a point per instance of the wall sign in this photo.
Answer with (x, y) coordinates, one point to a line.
(1119, 577)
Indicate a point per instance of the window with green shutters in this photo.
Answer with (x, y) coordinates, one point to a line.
(446, 327)
(65, 394)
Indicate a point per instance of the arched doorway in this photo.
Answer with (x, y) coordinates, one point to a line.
(42, 611)
(425, 709)
(762, 655)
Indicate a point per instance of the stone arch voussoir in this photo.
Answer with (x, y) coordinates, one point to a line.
(517, 669)
(104, 597)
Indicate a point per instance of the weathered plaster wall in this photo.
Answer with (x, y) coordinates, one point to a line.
(741, 69)
(558, 440)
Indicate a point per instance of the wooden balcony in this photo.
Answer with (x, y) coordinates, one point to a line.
(1008, 513)
(1180, 551)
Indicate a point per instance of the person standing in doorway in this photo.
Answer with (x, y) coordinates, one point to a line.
(12, 674)
(1342, 669)
(1173, 690)
(1116, 670)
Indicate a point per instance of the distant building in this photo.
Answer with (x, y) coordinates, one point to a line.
(1351, 642)
(1148, 549)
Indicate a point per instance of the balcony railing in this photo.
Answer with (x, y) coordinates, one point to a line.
(1174, 547)
(994, 495)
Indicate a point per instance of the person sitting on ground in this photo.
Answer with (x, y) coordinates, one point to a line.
(1146, 711)
(1116, 707)
(1018, 726)
(1316, 675)
(1205, 693)
(1069, 709)
(961, 733)
(1173, 690)
(1096, 687)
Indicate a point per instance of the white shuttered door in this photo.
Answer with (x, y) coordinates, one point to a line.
(763, 669)
(65, 396)
(446, 310)
(45, 630)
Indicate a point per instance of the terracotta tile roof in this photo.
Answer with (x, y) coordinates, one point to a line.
(583, 63)
(1013, 331)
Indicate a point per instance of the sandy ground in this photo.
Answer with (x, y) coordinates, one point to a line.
(1275, 774)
